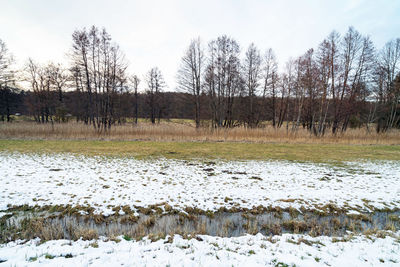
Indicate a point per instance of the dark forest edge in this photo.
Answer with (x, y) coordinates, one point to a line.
(343, 83)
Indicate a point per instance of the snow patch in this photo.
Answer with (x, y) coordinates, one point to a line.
(258, 250)
(103, 182)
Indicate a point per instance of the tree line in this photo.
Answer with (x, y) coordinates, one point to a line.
(343, 82)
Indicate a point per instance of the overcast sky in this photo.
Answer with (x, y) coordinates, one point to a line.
(156, 33)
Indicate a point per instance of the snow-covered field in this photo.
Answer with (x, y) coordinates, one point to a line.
(247, 250)
(103, 182)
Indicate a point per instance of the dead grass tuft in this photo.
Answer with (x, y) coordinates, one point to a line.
(84, 233)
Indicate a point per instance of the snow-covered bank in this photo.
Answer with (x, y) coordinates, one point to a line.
(247, 250)
(105, 182)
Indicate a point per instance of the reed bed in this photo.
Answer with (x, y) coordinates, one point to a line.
(184, 132)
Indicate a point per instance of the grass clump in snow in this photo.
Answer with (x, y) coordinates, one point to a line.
(31, 259)
(49, 256)
(127, 237)
(295, 226)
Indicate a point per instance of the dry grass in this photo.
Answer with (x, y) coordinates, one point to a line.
(184, 131)
(180, 140)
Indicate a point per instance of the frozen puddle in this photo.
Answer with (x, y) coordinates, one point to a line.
(258, 250)
(103, 183)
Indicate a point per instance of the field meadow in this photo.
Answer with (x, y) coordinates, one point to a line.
(207, 150)
(179, 139)
(141, 193)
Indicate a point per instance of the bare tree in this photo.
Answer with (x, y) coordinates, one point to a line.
(299, 96)
(43, 105)
(190, 74)
(155, 84)
(135, 84)
(223, 79)
(82, 73)
(270, 76)
(361, 76)
(288, 83)
(324, 74)
(308, 80)
(7, 80)
(252, 75)
(59, 78)
(387, 97)
(349, 48)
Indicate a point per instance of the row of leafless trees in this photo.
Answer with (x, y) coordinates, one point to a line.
(343, 82)
(327, 87)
